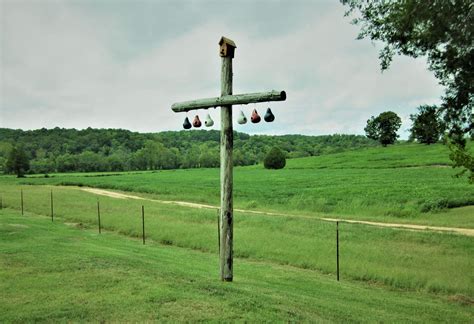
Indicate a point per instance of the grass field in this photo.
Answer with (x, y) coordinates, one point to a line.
(431, 262)
(53, 272)
(286, 264)
(409, 183)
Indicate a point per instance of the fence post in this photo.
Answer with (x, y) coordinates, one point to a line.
(98, 215)
(337, 249)
(1, 202)
(52, 210)
(143, 224)
(219, 230)
(21, 190)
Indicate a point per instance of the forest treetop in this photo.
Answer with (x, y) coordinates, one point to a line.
(70, 150)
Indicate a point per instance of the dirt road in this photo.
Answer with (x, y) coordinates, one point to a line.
(113, 194)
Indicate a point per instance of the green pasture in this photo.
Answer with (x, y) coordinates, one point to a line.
(404, 155)
(409, 183)
(417, 261)
(50, 272)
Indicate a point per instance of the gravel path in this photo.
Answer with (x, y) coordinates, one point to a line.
(113, 194)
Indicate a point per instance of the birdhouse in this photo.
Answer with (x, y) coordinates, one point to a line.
(227, 47)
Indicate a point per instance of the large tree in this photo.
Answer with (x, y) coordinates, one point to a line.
(426, 126)
(443, 32)
(383, 128)
(17, 162)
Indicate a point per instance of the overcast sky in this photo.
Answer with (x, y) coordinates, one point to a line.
(121, 64)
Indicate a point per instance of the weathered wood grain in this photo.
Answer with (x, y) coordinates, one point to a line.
(226, 100)
(227, 144)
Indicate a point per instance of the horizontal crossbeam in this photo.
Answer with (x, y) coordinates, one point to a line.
(238, 99)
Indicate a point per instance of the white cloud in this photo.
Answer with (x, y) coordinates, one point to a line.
(61, 66)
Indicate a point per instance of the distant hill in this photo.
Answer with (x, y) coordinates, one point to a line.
(67, 150)
(404, 155)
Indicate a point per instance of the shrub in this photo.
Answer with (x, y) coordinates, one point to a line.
(275, 159)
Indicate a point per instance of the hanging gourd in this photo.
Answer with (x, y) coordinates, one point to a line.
(208, 122)
(269, 116)
(242, 119)
(196, 122)
(255, 118)
(186, 124)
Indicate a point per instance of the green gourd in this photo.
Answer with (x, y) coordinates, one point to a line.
(208, 122)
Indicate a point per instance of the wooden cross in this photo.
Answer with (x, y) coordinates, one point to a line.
(225, 101)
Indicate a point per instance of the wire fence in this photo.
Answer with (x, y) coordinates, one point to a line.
(36, 205)
(399, 258)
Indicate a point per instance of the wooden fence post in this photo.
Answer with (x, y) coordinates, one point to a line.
(21, 190)
(219, 230)
(52, 210)
(98, 215)
(143, 224)
(337, 250)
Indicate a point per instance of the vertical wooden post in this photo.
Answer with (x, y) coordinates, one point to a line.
(225, 101)
(52, 211)
(98, 215)
(218, 231)
(337, 250)
(226, 147)
(1, 202)
(21, 190)
(143, 224)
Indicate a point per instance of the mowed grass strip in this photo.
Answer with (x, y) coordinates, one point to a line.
(399, 184)
(427, 261)
(52, 272)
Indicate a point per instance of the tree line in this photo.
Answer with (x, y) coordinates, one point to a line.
(46, 151)
(427, 126)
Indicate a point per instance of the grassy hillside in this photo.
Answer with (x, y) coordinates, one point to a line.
(400, 183)
(432, 262)
(111, 278)
(393, 156)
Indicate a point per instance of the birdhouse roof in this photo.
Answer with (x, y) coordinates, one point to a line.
(227, 41)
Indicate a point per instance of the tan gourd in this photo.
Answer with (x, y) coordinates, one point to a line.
(196, 122)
